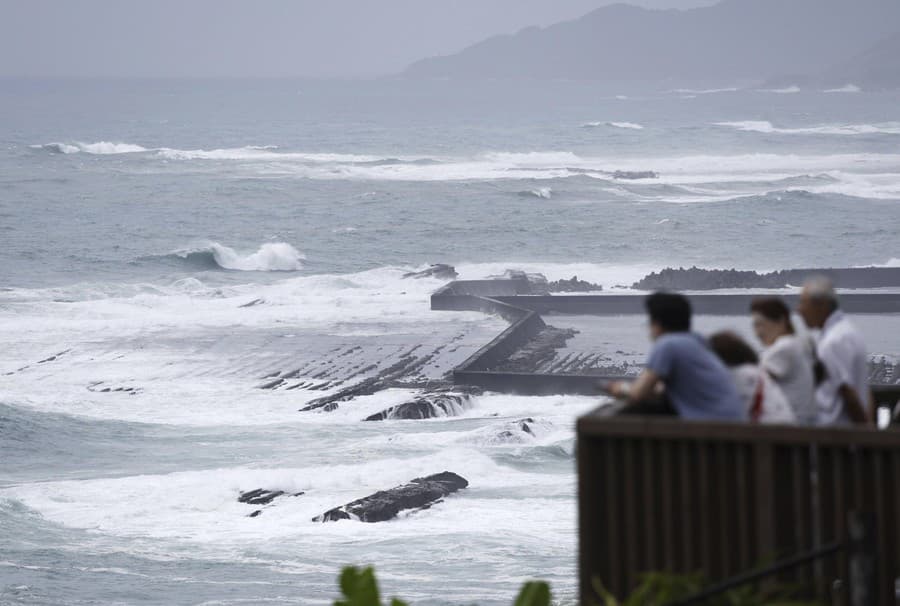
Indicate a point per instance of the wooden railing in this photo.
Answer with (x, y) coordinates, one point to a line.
(660, 494)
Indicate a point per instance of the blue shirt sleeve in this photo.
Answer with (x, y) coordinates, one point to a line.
(662, 358)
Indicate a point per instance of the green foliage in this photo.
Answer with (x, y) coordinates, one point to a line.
(534, 593)
(661, 589)
(360, 588)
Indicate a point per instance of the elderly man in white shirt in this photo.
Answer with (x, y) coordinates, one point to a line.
(843, 396)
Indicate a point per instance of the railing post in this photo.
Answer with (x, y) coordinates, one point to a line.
(863, 559)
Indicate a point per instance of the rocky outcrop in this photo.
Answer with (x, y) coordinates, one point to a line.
(517, 431)
(695, 278)
(384, 505)
(429, 406)
(262, 496)
(439, 271)
(573, 284)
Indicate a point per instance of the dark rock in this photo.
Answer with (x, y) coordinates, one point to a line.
(253, 303)
(517, 432)
(440, 271)
(573, 285)
(261, 496)
(384, 505)
(426, 407)
(695, 278)
(525, 425)
(255, 513)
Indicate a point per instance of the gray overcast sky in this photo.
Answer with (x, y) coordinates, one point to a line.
(321, 38)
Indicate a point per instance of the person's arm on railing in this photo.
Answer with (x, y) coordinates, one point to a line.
(640, 390)
(856, 409)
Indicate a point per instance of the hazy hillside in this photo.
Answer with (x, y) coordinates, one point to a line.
(734, 40)
(878, 67)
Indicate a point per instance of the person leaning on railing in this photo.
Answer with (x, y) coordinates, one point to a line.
(843, 396)
(682, 376)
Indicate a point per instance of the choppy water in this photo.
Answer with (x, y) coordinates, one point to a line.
(137, 218)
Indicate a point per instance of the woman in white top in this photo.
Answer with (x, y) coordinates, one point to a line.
(788, 358)
(763, 398)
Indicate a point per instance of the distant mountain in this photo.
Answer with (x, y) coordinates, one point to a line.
(732, 41)
(876, 68)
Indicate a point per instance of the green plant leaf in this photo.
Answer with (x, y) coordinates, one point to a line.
(534, 593)
(608, 598)
(396, 602)
(359, 587)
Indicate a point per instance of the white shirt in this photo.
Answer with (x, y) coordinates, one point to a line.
(843, 353)
(751, 382)
(789, 361)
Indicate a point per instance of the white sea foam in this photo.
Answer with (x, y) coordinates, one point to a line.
(848, 88)
(607, 275)
(199, 509)
(704, 91)
(787, 90)
(99, 148)
(625, 125)
(763, 126)
(262, 153)
(701, 178)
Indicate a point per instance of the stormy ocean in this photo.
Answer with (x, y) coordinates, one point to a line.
(166, 247)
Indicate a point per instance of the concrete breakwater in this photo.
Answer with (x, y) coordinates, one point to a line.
(489, 368)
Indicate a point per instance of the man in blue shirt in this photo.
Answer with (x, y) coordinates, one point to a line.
(681, 369)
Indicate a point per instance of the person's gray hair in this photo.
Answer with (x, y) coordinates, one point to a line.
(821, 290)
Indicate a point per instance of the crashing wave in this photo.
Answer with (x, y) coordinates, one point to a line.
(787, 90)
(626, 125)
(99, 148)
(763, 126)
(703, 91)
(544, 193)
(271, 256)
(848, 88)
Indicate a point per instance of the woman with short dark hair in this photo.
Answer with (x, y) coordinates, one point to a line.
(788, 358)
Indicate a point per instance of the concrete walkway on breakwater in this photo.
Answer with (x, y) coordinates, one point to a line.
(513, 300)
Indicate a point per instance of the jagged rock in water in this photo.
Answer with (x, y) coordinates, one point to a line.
(439, 270)
(426, 407)
(695, 278)
(261, 496)
(384, 505)
(635, 174)
(517, 431)
(573, 285)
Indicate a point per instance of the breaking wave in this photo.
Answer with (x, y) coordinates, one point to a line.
(627, 125)
(98, 148)
(849, 88)
(271, 256)
(763, 126)
(704, 91)
(787, 90)
(544, 193)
